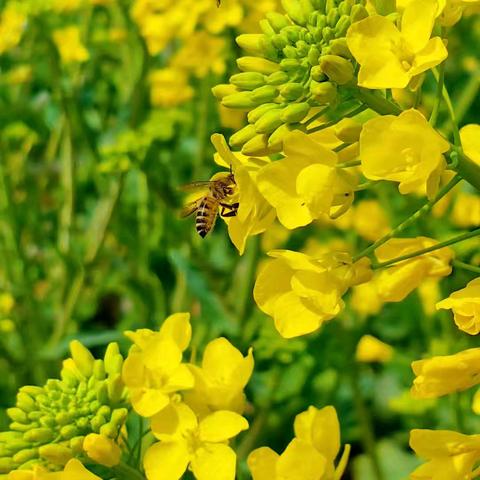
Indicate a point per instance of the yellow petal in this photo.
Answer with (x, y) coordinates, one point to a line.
(300, 461)
(102, 449)
(303, 148)
(430, 56)
(315, 184)
(166, 461)
(74, 470)
(262, 463)
(214, 462)
(470, 136)
(382, 70)
(417, 23)
(178, 328)
(162, 354)
(221, 425)
(180, 379)
(148, 402)
(172, 421)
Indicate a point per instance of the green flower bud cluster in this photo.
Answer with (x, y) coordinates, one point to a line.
(299, 62)
(49, 423)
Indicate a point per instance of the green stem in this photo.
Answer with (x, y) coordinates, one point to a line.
(377, 103)
(468, 170)
(125, 472)
(350, 163)
(457, 239)
(418, 214)
(365, 420)
(466, 266)
(438, 96)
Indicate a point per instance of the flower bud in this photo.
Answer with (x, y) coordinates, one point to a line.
(348, 130)
(342, 26)
(332, 17)
(25, 455)
(25, 401)
(258, 145)
(337, 69)
(317, 74)
(266, 28)
(248, 80)
(295, 11)
(99, 370)
(17, 415)
(119, 415)
(76, 444)
(219, 91)
(339, 47)
(242, 136)
(115, 388)
(68, 431)
(358, 12)
(239, 100)
(324, 92)
(41, 435)
(256, 64)
(6, 465)
(82, 357)
(295, 112)
(267, 93)
(277, 78)
(277, 20)
(56, 453)
(251, 42)
(102, 450)
(292, 91)
(109, 430)
(269, 121)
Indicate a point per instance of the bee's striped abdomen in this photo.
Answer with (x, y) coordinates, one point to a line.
(206, 215)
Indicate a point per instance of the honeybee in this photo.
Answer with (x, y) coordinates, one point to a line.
(208, 205)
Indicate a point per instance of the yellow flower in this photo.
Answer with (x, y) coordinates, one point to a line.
(465, 305)
(169, 87)
(254, 214)
(310, 455)
(306, 184)
(404, 149)
(153, 370)
(212, 59)
(69, 45)
(470, 136)
(438, 376)
(429, 293)
(450, 455)
(216, 20)
(370, 220)
(7, 302)
(102, 450)
(301, 292)
(220, 381)
(371, 349)
(466, 210)
(389, 57)
(200, 445)
(74, 470)
(396, 282)
(12, 25)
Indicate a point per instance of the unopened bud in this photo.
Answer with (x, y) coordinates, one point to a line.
(277, 78)
(251, 42)
(267, 93)
(258, 145)
(82, 357)
(317, 74)
(69, 431)
(25, 455)
(242, 136)
(102, 450)
(292, 91)
(295, 112)
(17, 415)
(256, 64)
(277, 20)
(295, 11)
(239, 100)
(358, 12)
(248, 80)
(348, 130)
(323, 92)
(219, 91)
(56, 453)
(41, 435)
(269, 121)
(337, 69)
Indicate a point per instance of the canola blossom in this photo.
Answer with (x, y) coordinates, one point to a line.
(316, 316)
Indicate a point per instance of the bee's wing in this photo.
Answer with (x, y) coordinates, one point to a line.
(190, 208)
(196, 186)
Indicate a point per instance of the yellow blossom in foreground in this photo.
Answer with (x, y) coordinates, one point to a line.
(390, 58)
(371, 349)
(404, 149)
(254, 214)
(450, 455)
(12, 24)
(69, 45)
(169, 87)
(465, 304)
(396, 282)
(74, 470)
(470, 136)
(220, 381)
(305, 184)
(200, 445)
(153, 370)
(102, 450)
(301, 292)
(310, 455)
(466, 210)
(438, 376)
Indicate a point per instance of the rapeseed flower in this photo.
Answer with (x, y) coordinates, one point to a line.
(220, 380)
(69, 45)
(74, 470)
(305, 184)
(371, 349)
(169, 87)
(186, 442)
(153, 370)
(449, 455)
(301, 292)
(370, 220)
(438, 376)
(466, 210)
(102, 449)
(465, 304)
(398, 281)
(403, 149)
(470, 137)
(12, 24)
(389, 57)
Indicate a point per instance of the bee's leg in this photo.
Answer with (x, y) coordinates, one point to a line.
(233, 209)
